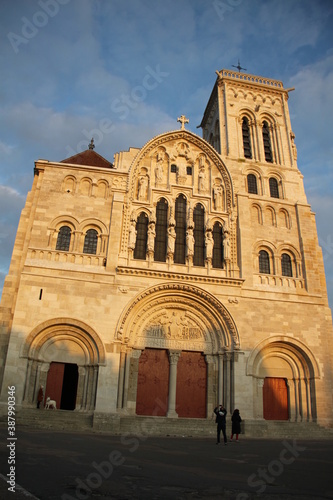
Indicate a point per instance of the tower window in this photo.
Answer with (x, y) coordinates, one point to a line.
(161, 230)
(246, 138)
(252, 184)
(273, 187)
(267, 142)
(64, 239)
(199, 235)
(180, 243)
(218, 246)
(264, 266)
(189, 170)
(141, 237)
(286, 265)
(174, 168)
(90, 242)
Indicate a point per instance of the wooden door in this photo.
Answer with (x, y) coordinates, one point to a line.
(275, 399)
(191, 385)
(153, 383)
(55, 378)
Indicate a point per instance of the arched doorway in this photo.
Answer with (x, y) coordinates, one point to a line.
(179, 354)
(284, 374)
(64, 356)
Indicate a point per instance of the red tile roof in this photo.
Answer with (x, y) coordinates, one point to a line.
(89, 158)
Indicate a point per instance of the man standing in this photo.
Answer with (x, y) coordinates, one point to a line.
(220, 413)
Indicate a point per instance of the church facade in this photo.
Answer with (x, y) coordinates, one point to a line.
(184, 274)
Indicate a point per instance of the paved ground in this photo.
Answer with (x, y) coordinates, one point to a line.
(62, 465)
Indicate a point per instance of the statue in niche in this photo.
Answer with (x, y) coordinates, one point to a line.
(209, 242)
(202, 179)
(151, 237)
(218, 196)
(293, 145)
(132, 235)
(159, 168)
(226, 245)
(189, 243)
(171, 240)
(143, 188)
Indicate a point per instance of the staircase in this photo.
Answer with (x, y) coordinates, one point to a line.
(54, 419)
(63, 420)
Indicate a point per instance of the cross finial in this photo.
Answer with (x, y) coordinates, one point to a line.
(91, 144)
(239, 67)
(183, 120)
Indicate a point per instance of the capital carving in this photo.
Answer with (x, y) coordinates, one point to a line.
(174, 356)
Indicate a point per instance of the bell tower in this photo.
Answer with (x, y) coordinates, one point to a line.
(247, 118)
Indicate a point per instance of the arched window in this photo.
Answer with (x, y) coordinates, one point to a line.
(90, 242)
(141, 237)
(199, 236)
(246, 138)
(286, 265)
(252, 184)
(264, 266)
(180, 216)
(64, 238)
(218, 246)
(161, 230)
(273, 187)
(267, 142)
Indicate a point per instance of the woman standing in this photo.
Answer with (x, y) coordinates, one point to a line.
(235, 426)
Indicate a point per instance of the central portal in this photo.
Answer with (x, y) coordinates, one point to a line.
(153, 384)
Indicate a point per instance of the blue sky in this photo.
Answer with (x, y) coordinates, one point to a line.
(124, 70)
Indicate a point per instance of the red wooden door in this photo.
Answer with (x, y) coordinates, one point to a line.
(55, 378)
(153, 383)
(275, 399)
(191, 385)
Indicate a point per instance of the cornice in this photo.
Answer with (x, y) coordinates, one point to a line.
(149, 273)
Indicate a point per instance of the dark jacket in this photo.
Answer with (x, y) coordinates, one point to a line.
(220, 415)
(236, 420)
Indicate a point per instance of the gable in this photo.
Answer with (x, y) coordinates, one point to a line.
(90, 158)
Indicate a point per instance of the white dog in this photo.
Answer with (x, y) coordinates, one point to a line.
(50, 403)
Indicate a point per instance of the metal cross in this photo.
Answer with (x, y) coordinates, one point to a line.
(239, 67)
(183, 120)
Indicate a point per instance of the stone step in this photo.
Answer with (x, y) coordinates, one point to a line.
(54, 419)
(161, 426)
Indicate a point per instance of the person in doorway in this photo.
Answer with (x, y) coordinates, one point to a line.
(220, 413)
(40, 396)
(235, 424)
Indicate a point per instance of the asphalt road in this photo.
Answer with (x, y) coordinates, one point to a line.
(65, 465)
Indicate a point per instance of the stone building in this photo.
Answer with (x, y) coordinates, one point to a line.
(184, 274)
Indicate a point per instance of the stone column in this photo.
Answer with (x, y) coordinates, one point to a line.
(173, 358)
(131, 380)
(85, 388)
(220, 379)
(211, 386)
(292, 401)
(80, 388)
(27, 382)
(227, 358)
(121, 379)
